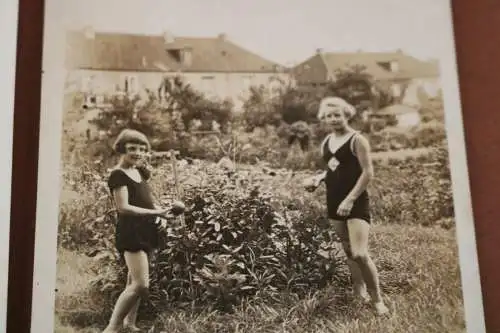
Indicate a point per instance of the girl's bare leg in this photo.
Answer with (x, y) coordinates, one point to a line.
(131, 318)
(358, 236)
(138, 267)
(358, 282)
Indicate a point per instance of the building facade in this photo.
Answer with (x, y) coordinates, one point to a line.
(402, 73)
(101, 63)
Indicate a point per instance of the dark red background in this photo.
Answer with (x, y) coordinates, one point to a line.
(477, 29)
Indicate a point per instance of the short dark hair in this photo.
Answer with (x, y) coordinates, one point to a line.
(130, 136)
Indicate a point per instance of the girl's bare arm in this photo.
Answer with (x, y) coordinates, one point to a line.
(121, 199)
(362, 151)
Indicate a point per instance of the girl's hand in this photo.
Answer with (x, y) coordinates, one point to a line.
(312, 183)
(161, 212)
(345, 207)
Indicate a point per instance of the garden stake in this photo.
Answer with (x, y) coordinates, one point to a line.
(176, 181)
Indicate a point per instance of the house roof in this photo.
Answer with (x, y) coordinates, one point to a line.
(377, 64)
(134, 52)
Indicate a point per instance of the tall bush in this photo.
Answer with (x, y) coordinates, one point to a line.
(165, 116)
(291, 104)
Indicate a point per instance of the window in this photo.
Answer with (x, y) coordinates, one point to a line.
(187, 57)
(131, 84)
(90, 99)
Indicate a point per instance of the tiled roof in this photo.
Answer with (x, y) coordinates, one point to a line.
(377, 64)
(132, 52)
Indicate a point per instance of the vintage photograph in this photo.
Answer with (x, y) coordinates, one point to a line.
(251, 166)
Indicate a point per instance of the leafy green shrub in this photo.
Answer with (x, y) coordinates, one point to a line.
(415, 191)
(247, 231)
(258, 111)
(85, 211)
(433, 110)
(237, 240)
(165, 118)
(290, 104)
(425, 135)
(430, 134)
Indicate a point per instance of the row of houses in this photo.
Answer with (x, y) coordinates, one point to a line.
(102, 62)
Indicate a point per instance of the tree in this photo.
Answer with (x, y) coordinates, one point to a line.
(355, 85)
(180, 96)
(260, 109)
(164, 115)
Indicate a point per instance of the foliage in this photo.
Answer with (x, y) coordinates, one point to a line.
(166, 116)
(257, 111)
(416, 190)
(433, 110)
(237, 241)
(193, 105)
(409, 284)
(290, 104)
(247, 231)
(254, 243)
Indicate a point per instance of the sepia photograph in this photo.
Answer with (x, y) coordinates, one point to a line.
(265, 166)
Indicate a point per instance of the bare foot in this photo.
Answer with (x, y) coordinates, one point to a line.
(361, 293)
(131, 327)
(363, 296)
(110, 330)
(380, 308)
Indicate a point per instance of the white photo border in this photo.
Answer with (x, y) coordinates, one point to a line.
(8, 38)
(44, 277)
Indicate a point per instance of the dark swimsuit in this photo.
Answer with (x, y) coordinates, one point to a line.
(135, 233)
(343, 173)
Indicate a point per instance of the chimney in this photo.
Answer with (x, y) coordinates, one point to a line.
(89, 32)
(187, 56)
(168, 37)
(319, 51)
(222, 36)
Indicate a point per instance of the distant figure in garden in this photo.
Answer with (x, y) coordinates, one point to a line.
(136, 228)
(299, 131)
(349, 171)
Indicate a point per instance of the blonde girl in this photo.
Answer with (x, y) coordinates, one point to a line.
(349, 171)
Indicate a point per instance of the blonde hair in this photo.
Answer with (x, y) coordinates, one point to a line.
(328, 102)
(130, 136)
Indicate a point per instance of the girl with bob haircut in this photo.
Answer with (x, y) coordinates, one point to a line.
(349, 171)
(136, 234)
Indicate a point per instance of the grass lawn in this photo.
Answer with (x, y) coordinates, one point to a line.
(419, 274)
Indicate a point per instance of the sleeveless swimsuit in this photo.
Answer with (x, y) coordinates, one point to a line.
(343, 172)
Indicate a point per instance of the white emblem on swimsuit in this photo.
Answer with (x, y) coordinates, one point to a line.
(333, 163)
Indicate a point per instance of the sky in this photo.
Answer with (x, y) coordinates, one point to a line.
(285, 31)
